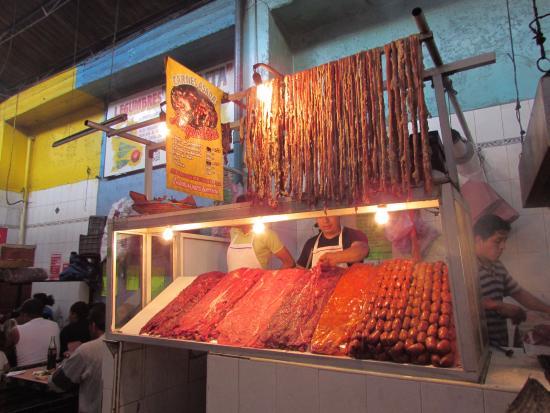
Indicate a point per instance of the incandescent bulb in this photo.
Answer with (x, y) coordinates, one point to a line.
(264, 93)
(381, 216)
(163, 129)
(168, 234)
(258, 227)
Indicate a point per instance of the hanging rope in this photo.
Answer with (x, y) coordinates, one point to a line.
(11, 153)
(513, 58)
(539, 38)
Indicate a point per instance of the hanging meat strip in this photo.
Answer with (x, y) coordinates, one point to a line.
(323, 137)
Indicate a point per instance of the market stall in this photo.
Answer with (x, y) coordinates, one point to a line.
(327, 142)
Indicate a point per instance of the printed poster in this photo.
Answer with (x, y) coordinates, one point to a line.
(194, 155)
(123, 156)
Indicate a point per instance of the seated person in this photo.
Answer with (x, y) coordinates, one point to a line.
(32, 335)
(334, 246)
(83, 367)
(76, 332)
(47, 301)
(490, 235)
(251, 250)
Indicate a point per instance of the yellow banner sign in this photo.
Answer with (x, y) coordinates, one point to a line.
(194, 157)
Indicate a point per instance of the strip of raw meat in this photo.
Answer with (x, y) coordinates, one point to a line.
(199, 322)
(292, 326)
(246, 322)
(166, 319)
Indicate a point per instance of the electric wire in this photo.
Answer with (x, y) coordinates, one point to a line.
(512, 57)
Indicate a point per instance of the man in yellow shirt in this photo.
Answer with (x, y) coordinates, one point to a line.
(251, 250)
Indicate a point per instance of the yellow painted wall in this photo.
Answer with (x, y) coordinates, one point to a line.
(68, 163)
(13, 149)
(49, 111)
(40, 94)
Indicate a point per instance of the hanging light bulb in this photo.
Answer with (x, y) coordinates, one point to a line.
(264, 93)
(258, 227)
(163, 129)
(168, 234)
(381, 216)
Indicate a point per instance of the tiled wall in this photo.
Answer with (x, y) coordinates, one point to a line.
(527, 254)
(156, 379)
(241, 386)
(10, 214)
(57, 216)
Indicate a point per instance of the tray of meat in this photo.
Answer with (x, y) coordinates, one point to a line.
(537, 341)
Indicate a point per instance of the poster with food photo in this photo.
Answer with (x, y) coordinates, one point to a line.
(194, 155)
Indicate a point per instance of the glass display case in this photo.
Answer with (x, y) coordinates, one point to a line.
(154, 258)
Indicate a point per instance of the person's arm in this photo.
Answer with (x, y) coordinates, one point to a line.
(13, 337)
(511, 311)
(355, 253)
(528, 300)
(286, 258)
(69, 374)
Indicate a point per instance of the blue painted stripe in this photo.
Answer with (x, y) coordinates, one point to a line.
(193, 26)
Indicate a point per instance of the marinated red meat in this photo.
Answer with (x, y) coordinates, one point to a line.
(202, 319)
(166, 319)
(292, 326)
(248, 320)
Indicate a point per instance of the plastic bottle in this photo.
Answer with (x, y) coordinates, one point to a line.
(52, 354)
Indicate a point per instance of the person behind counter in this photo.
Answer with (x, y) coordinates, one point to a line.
(251, 250)
(33, 334)
(83, 367)
(334, 246)
(490, 235)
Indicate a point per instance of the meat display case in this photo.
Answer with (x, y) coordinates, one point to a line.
(146, 273)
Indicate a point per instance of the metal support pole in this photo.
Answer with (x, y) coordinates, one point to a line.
(148, 172)
(429, 41)
(446, 134)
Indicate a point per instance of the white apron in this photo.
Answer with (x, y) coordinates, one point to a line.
(241, 255)
(318, 252)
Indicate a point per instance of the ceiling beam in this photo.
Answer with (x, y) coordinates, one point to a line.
(37, 15)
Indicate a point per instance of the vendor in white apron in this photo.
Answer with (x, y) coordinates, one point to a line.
(334, 246)
(251, 250)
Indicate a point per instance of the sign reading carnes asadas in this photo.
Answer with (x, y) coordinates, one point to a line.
(194, 156)
(123, 156)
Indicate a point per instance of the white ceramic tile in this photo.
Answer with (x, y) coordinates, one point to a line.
(450, 399)
(131, 375)
(257, 386)
(503, 188)
(166, 368)
(510, 123)
(392, 395)
(342, 392)
(107, 369)
(488, 123)
(166, 401)
(497, 401)
(13, 216)
(532, 273)
(222, 389)
(530, 234)
(433, 124)
(495, 163)
(297, 389)
(514, 152)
